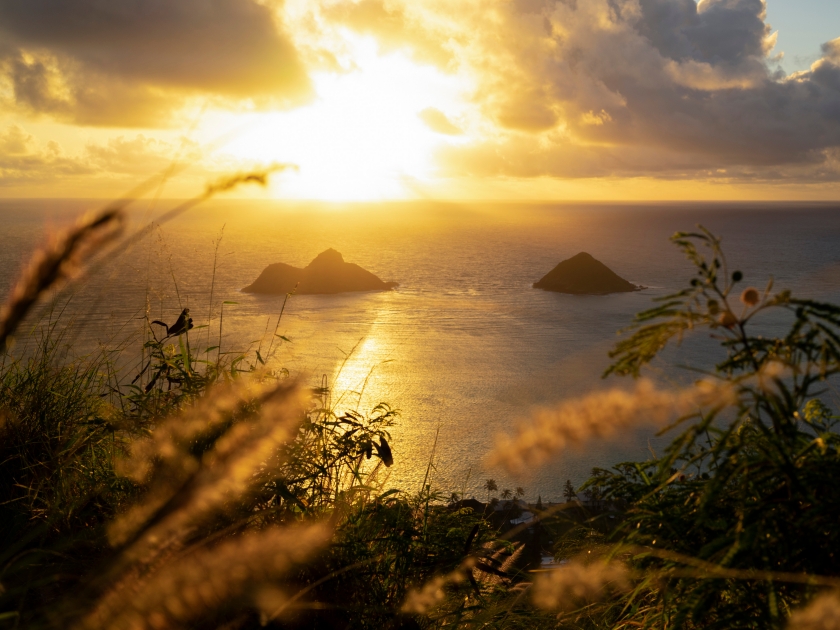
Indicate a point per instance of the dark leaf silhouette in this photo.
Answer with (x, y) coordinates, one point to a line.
(384, 452)
(181, 325)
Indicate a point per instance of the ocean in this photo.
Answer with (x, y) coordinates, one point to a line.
(465, 347)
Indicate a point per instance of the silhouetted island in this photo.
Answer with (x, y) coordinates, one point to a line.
(582, 274)
(328, 273)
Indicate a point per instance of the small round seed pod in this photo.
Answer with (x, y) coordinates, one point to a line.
(750, 296)
(727, 320)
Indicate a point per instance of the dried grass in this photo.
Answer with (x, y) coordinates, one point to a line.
(187, 488)
(189, 586)
(601, 415)
(823, 613)
(167, 571)
(59, 259)
(65, 253)
(421, 601)
(578, 584)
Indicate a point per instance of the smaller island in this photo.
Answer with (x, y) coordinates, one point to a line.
(583, 275)
(326, 274)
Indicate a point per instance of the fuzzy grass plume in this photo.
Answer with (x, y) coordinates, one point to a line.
(188, 586)
(601, 415)
(65, 253)
(578, 584)
(60, 259)
(823, 613)
(420, 601)
(185, 487)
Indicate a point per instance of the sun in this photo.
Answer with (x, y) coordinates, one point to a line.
(363, 137)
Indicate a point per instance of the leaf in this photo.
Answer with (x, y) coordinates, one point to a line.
(471, 538)
(384, 452)
(283, 491)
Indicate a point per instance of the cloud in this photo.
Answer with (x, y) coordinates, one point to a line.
(125, 62)
(141, 155)
(101, 169)
(23, 162)
(668, 88)
(436, 120)
(14, 141)
(396, 26)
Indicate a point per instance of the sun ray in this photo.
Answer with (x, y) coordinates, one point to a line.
(364, 136)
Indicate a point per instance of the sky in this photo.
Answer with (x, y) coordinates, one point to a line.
(424, 99)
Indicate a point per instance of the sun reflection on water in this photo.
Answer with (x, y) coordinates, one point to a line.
(354, 380)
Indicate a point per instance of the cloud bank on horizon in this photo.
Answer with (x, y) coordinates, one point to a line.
(571, 89)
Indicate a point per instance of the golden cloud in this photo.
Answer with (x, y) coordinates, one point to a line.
(668, 88)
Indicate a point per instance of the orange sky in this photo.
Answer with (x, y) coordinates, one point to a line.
(391, 99)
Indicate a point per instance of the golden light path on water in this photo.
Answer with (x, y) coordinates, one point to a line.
(375, 371)
(354, 379)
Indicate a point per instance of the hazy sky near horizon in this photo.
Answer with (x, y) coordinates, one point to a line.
(383, 99)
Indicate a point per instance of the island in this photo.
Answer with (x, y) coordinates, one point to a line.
(327, 273)
(583, 275)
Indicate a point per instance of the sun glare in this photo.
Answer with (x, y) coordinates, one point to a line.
(363, 137)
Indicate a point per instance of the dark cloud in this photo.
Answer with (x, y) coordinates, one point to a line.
(697, 82)
(722, 32)
(669, 88)
(91, 57)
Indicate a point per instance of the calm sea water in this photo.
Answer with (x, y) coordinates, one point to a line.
(465, 347)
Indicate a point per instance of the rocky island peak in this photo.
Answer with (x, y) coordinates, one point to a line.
(583, 274)
(328, 273)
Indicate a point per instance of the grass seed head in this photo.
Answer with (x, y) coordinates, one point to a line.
(823, 613)
(600, 415)
(578, 584)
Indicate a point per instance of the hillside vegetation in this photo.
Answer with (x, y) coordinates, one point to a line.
(206, 491)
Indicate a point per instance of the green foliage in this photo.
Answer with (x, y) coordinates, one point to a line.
(744, 497)
(331, 454)
(174, 374)
(734, 525)
(59, 437)
(68, 425)
(399, 542)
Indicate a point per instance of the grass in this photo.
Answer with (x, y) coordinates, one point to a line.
(218, 467)
(204, 491)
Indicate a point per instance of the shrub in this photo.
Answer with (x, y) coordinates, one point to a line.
(735, 524)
